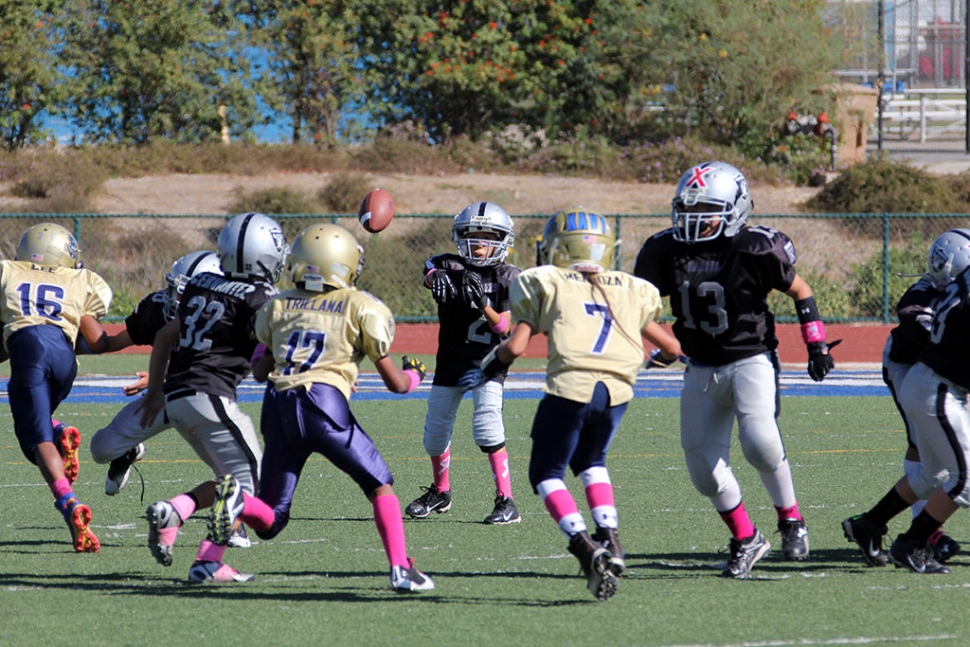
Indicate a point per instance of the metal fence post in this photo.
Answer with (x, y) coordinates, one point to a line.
(885, 268)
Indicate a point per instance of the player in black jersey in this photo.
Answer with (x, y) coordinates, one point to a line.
(933, 400)
(215, 345)
(121, 442)
(948, 256)
(718, 274)
(472, 292)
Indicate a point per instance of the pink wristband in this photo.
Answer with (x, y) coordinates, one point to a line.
(427, 277)
(503, 325)
(813, 331)
(415, 380)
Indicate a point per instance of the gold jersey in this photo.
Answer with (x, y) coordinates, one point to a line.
(323, 337)
(586, 344)
(35, 295)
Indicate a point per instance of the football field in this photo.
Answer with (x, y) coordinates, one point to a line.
(324, 580)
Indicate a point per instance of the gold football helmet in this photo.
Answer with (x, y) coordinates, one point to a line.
(325, 255)
(49, 245)
(576, 239)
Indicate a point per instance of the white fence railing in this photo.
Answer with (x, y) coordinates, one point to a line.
(939, 113)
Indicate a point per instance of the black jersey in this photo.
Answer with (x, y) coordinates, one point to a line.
(947, 350)
(718, 289)
(915, 311)
(464, 336)
(216, 340)
(146, 319)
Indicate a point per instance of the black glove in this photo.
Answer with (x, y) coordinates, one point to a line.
(656, 360)
(473, 290)
(442, 287)
(416, 365)
(820, 362)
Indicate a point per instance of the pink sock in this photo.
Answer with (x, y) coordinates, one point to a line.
(387, 516)
(501, 473)
(440, 465)
(55, 423)
(209, 552)
(791, 513)
(599, 496)
(60, 487)
(562, 508)
(184, 505)
(256, 514)
(738, 522)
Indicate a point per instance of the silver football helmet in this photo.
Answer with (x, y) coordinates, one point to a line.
(949, 255)
(253, 245)
(483, 218)
(325, 255)
(577, 239)
(178, 277)
(711, 199)
(49, 245)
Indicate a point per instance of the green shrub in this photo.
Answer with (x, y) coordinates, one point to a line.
(907, 261)
(272, 201)
(345, 191)
(834, 302)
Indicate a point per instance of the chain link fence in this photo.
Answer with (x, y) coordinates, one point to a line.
(858, 264)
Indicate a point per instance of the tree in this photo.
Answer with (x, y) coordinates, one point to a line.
(311, 62)
(151, 69)
(31, 82)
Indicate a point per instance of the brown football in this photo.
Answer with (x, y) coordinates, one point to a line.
(376, 211)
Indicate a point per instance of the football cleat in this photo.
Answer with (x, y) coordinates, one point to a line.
(915, 555)
(163, 529)
(240, 538)
(216, 572)
(226, 507)
(78, 518)
(609, 538)
(120, 469)
(794, 540)
(69, 441)
(595, 562)
(745, 554)
(504, 512)
(944, 546)
(409, 578)
(868, 536)
(431, 501)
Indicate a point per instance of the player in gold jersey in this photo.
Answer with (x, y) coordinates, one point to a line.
(316, 335)
(47, 301)
(594, 318)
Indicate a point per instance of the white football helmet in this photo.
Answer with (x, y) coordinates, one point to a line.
(178, 277)
(253, 245)
(711, 199)
(49, 245)
(479, 218)
(949, 255)
(577, 239)
(325, 255)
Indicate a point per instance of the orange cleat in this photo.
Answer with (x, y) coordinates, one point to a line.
(70, 442)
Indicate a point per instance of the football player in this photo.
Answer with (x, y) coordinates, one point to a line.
(198, 391)
(718, 272)
(48, 300)
(594, 318)
(948, 256)
(121, 443)
(472, 292)
(315, 338)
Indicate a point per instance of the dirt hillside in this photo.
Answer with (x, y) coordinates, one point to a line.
(518, 194)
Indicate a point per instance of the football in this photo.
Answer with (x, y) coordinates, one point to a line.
(376, 211)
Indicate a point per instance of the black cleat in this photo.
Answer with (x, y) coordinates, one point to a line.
(915, 555)
(504, 512)
(745, 554)
(868, 536)
(794, 540)
(431, 501)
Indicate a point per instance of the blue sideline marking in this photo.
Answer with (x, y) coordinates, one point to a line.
(101, 389)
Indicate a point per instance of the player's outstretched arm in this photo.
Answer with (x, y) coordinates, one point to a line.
(94, 336)
(820, 361)
(404, 379)
(500, 357)
(667, 349)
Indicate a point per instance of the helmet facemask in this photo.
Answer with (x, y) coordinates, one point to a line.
(483, 234)
(711, 200)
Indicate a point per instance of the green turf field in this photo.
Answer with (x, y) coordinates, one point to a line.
(325, 579)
